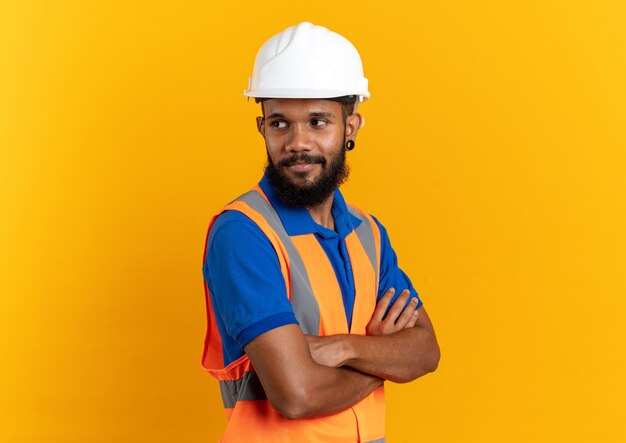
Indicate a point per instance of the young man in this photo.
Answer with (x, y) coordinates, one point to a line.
(308, 312)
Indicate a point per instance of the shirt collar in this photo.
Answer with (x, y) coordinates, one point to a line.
(298, 221)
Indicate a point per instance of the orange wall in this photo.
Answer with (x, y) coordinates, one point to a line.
(494, 152)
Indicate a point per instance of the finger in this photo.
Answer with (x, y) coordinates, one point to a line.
(397, 308)
(413, 321)
(407, 314)
(381, 306)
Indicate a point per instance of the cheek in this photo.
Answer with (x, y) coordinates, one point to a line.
(273, 150)
(332, 142)
(272, 144)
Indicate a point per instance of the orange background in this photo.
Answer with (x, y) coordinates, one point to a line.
(494, 152)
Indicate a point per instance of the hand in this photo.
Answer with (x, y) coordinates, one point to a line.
(327, 351)
(398, 317)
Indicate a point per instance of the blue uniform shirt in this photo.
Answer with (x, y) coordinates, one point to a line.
(242, 271)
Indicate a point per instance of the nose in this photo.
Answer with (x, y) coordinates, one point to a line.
(299, 139)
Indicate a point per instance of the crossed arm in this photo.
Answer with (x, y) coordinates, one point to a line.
(308, 376)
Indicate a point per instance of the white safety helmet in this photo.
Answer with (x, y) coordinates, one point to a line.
(307, 61)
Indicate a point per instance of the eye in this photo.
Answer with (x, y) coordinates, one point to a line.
(278, 124)
(318, 122)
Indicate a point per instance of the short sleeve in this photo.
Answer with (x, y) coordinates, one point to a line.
(247, 287)
(391, 276)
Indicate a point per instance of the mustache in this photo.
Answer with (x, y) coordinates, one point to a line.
(302, 158)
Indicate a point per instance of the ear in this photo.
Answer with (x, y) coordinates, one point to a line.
(353, 124)
(260, 125)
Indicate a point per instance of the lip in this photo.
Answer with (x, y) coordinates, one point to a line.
(301, 167)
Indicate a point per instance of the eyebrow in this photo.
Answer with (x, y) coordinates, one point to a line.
(311, 114)
(321, 114)
(275, 115)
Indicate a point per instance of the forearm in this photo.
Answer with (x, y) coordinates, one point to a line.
(295, 384)
(399, 357)
(330, 390)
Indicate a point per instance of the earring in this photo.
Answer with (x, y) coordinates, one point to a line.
(350, 145)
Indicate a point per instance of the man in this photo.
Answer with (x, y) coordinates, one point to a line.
(308, 312)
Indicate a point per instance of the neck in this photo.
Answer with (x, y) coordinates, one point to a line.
(322, 214)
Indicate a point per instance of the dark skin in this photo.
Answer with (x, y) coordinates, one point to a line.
(313, 127)
(309, 376)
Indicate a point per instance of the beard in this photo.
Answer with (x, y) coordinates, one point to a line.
(334, 173)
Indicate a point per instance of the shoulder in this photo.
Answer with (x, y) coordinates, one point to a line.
(236, 246)
(231, 219)
(381, 227)
(359, 215)
(387, 254)
(385, 242)
(233, 237)
(231, 225)
(378, 223)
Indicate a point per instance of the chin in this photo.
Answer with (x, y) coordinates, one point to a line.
(304, 178)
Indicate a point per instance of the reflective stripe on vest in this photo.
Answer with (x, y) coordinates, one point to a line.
(365, 232)
(302, 297)
(247, 387)
(316, 298)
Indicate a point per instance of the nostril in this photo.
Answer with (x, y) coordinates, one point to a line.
(298, 145)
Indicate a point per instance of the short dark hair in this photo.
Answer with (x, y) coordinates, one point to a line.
(347, 104)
